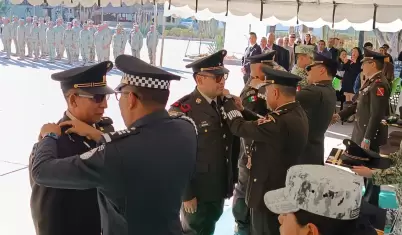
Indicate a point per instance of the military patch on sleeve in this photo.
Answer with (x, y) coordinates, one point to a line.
(380, 91)
(252, 98)
(109, 137)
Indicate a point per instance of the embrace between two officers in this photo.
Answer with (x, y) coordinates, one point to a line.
(157, 153)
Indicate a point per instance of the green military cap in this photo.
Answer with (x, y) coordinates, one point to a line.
(372, 55)
(304, 49)
(330, 64)
(284, 78)
(211, 64)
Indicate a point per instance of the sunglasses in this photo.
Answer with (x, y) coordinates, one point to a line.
(309, 67)
(98, 98)
(218, 78)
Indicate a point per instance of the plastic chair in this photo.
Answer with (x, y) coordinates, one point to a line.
(395, 92)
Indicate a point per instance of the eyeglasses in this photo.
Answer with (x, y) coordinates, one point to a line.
(118, 94)
(218, 78)
(98, 98)
(309, 67)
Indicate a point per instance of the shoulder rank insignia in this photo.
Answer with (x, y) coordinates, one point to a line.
(179, 115)
(109, 137)
(277, 112)
(265, 120)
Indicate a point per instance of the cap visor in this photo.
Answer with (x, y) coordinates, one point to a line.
(121, 85)
(218, 71)
(278, 202)
(104, 90)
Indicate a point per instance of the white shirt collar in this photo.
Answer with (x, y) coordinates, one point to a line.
(209, 100)
(284, 105)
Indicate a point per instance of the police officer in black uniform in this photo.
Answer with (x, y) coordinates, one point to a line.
(371, 107)
(140, 172)
(318, 99)
(254, 102)
(69, 211)
(214, 178)
(278, 141)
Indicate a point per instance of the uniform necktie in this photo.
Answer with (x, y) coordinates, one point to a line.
(215, 106)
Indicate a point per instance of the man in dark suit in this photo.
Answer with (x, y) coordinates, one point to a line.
(69, 211)
(322, 50)
(282, 56)
(251, 50)
(213, 179)
(370, 108)
(331, 48)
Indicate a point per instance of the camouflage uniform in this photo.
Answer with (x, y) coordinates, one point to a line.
(86, 42)
(21, 37)
(42, 37)
(51, 41)
(76, 50)
(119, 41)
(35, 39)
(28, 36)
(297, 70)
(59, 35)
(70, 43)
(92, 29)
(152, 44)
(107, 41)
(15, 25)
(7, 36)
(136, 40)
(99, 43)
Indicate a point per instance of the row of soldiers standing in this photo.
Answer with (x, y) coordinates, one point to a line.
(42, 38)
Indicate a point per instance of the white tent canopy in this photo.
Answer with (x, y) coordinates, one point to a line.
(341, 14)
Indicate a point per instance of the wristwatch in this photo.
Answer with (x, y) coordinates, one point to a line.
(367, 141)
(51, 135)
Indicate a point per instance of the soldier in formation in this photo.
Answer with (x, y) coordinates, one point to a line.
(152, 44)
(92, 29)
(100, 43)
(35, 39)
(59, 35)
(76, 29)
(86, 43)
(21, 39)
(51, 41)
(136, 39)
(70, 43)
(42, 37)
(7, 32)
(119, 41)
(107, 40)
(15, 25)
(28, 36)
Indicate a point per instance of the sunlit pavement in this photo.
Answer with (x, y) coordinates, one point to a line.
(29, 98)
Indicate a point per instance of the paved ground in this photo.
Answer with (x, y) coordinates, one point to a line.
(29, 98)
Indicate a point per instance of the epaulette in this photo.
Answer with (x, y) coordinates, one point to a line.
(180, 115)
(112, 136)
(277, 112)
(267, 119)
(105, 121)
(181, 104)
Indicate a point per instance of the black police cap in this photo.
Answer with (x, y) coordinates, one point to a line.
(91, 79)
(284, 78)
(141, 74)
(262, 58)
(329, 63)
(211, 64)
(355, 155)
(372, 55)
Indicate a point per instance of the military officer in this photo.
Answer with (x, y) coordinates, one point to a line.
(112, 167)
(59, 35)
(318, 99)
(51, 41)
(107, 37)
(21, 39)
(86, 42)
(304, 56)
(272, 134)
(7, 34)
(256, 103)
(370, 108)
(119, 41)
(100, 43)
(152, 44)
(136, 40)
(213, 178)
(70, 211)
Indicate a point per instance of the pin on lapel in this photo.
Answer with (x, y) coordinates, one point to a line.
(198, 101)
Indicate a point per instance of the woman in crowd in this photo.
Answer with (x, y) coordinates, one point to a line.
(351, 68)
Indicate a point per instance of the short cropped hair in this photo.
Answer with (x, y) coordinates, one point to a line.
(253, 34)
(150, 96)
(286, 90)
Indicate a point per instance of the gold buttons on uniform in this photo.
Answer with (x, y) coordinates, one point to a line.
(206, 130)
(255, 180)
(224, 136)
(227, 148)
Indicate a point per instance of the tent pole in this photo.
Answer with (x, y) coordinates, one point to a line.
(155, 30)
(163, 40)
(101, 14)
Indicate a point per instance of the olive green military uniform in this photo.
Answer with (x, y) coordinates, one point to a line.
(273, 134)
(215, 170)
(301, 72)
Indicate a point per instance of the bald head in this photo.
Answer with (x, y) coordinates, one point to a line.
(271, 38)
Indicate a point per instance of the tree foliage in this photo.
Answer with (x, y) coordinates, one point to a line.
(4, 8)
